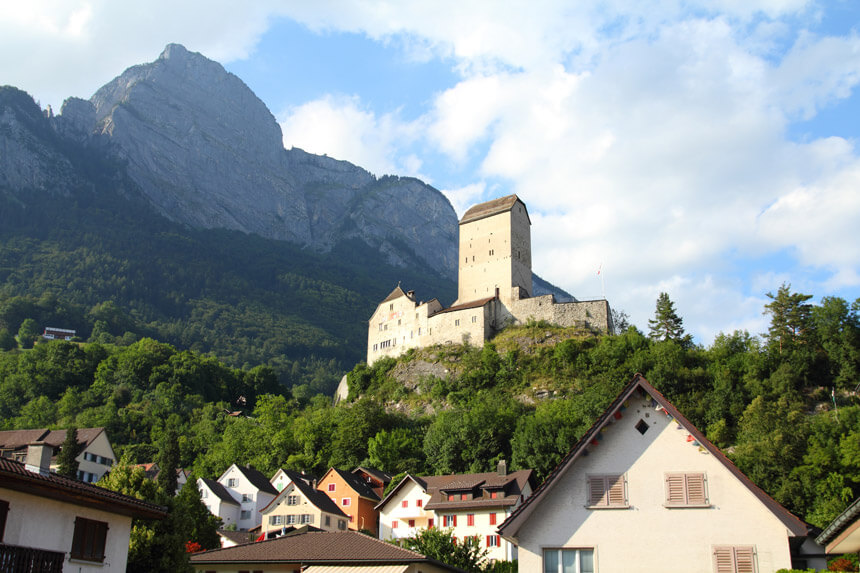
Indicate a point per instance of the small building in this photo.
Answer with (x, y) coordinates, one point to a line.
(282, 478)
(219, 501)
(471, 505)
(843, 534)
(94, 461)
(52, 333)
(354, 497)
(376, 479)
(644, 490)
(318, 552)
(54, 524)
(300, 503)
(244, 491)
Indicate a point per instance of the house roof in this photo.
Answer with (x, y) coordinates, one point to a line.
(255, 477)
(490, 208)
(14, 476)
(437, 487)
(356, 483)
(843, 533)
(382, 476)
(14, 439)
(238, 537)
(396, 293)
(467, 305)
(317, 548)
(316, 498)
(293, 475)
(520, 515)
(220, 491)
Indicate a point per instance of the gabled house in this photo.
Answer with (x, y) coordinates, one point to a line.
(843, 534)
(247, 492)
(94, 461)
(471, 505)
(644, 490)
(283, 477)
(376, 479)
(354, 497)
(53, 524)
(299, 503)
(318, 552)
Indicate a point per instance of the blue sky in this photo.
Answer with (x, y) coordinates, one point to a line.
(707, 149)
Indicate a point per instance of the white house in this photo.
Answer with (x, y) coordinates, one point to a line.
(96, 459)
(644, 490)
(247, 492)
(54, 524)
(471, 505)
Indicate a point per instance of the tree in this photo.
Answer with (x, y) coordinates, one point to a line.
(28, 333)
(69, 451)
(399, 450)
(789, 318)
(439, 544)
(666, 324)
(7, 341)
(168, 459)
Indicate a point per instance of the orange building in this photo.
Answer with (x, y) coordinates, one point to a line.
(354, 497)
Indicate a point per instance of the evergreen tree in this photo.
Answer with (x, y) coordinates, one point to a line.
(28, 333)
(7, 341)
(789, 318)
(69, 452)
(168, 459)
(666, 324)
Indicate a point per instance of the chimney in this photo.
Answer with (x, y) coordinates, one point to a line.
(502, 468)
(39, 458)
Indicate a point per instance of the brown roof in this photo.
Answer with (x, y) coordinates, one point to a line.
(490, 208)
(467, 305)
(357, 484)
(382, 476)
(14, 439)
(316, 547)
(316, 498)
(257, 479)
(396, 293)
(515, 520)
(437, 487)
(220, 491)
(14, 476)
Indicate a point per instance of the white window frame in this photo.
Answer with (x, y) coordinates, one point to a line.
(566, 552)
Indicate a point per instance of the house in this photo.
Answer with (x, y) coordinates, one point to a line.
(54, 524)
(318, 552)
(843, 534)
(354, 497)
(300, 503)
(376, 479)
(471, 505)
(94, 461)
(52, 333)
(241, 492)
(283, 477)
(644, 490)
(494, 290)
(152, 470)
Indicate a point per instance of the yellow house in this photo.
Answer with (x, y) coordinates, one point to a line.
(299, 503)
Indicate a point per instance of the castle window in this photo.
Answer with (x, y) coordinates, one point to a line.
(419, 331)
(398, 322)
(473, 258)
(474, 319)
(391, 306)
(457, 322)
(492, 251)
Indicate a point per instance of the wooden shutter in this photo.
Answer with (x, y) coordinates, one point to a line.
(615, 486)
(596, 490)
(686, 489)
(696, 492)
(675, 494)
(734, 559)
(607, 491)
(745, 559)
(724, 560)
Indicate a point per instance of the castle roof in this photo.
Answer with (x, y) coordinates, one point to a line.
(396, 293)
(490, 208)
(467, 305)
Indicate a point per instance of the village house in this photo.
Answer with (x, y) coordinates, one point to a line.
(96, 459)
(377, 480)
(494, 291)
(300, 503)
(644, 490)
(471, 505)
(354, 497)
(54, 524)
(843, 534)
(53, 333)
(239, 496)
(282, 478)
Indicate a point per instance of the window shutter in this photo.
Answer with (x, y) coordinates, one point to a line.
(724, 561)
(616, 490)
(696, 492)
(607, 491)
(596, 491)
(675, 494)
(745, 559)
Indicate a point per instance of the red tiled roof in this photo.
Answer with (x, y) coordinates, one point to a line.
(13, 475)
(316, 547)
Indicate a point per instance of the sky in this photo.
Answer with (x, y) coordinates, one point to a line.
(702, 148)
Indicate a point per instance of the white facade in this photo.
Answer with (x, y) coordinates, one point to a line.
(642, 529)
(96, 460)
(251, 499)
(227, 510)
(403, 513)
(47, 524)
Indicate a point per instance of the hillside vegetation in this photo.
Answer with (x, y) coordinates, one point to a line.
(784, 406)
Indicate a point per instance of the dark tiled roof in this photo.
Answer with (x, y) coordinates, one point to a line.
(396, 293)
(257, 479)
(357, 484)
(317, 498)
(296, 476)
(840, 524)
(220, 491)
(407, 478)
(514, 484)
(14, 439)
(467, 305)
(238, 537)
(511, 525)
(13, 475)
(490, 208)
(378, 474)
(316, 548)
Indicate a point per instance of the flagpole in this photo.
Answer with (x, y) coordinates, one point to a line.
(602, 284)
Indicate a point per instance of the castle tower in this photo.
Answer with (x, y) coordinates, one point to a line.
(495, 251)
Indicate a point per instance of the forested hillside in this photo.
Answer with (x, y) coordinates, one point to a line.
(784, 406)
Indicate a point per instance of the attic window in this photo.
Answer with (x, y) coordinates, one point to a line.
(642, 426)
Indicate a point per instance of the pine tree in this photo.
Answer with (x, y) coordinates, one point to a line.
(69, 451)
(790, 318)
(168, 460)
(666, 324)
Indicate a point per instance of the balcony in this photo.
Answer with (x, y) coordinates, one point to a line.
(28, 560)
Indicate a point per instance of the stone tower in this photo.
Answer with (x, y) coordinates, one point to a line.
(495, 251)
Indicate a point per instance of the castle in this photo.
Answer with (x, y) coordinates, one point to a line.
(494, 290)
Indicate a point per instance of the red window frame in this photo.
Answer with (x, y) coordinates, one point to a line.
(492, 519)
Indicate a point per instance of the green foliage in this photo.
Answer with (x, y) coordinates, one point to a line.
(69, 451)
(790, 316)
(666, 324)
(28, 333)
(439, 544)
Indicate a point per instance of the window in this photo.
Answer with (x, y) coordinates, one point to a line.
(394, 524)
(470, 519)
(457, 322)
(245, 514)
(568, 561)
(232, 482)
(341, 524)
(391, 306)
(328, 520)
(292, 500)
(450, 497)
(686, 490)
(331, 487)
(247, 497)
(430, 523)
(404, 503)
(642, 426)
(494, 494)
(607, 491)
(734, 559)
(345, 502)
(449, 521)
(464, 496)
(492, 519)
(291, 519)
(307, 518)
(474, 319)
(411, 523)
(419, 502)
(204, 493)
(493, 541)
(276, 520)
(88, 541)
(4, 510)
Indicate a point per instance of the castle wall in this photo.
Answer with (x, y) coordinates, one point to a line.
(592, 313)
